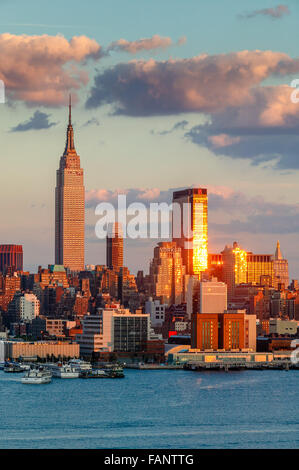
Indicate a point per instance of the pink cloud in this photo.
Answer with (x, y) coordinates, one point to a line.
(276, 12)
(223, 140)
(43, 69)
(145, 44)
(200, 84)
(149, 194)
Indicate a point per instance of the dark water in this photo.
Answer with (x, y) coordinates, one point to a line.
(153, 409)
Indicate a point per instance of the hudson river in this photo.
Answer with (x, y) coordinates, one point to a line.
(153, 409)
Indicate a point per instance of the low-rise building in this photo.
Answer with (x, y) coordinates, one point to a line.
(114, 329)
(42, 349)
(282, 327)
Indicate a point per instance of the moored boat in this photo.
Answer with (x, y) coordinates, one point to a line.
(63, 371)
(110, 372)
(12, 367)
(40, 375)
(80, 365)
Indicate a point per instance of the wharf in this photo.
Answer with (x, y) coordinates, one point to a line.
(153, 366)
(274, 365)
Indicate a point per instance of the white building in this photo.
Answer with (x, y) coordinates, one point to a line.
(114, 329)
(28, 306)
(156, 310)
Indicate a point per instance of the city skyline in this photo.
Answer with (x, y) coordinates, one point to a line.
(252, 198)
(149, 228)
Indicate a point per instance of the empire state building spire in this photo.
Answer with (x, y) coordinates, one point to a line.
(69, 146)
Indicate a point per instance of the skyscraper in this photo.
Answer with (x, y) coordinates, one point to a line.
(115, 247)
(190, 228)
(69, 207)
(167, 273)
(234, 267)
(11, 258)
(281, 268)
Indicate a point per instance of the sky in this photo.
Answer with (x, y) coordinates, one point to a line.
(167, 94)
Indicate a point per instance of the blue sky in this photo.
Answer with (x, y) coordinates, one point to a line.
(125, 152)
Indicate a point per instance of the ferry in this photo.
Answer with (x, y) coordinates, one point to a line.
(80, 365)
(63, 371)
(39, 375)
(94, 374)
(108, 371)
(114, 369)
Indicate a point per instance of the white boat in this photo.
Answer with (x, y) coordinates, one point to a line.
(63, 371)
(25, 366)
(80, 365)
(39, 375)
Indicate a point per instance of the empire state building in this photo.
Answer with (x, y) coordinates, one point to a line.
(69, 206)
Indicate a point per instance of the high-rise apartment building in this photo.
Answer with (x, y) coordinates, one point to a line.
(190, 228)
(11, 258)
(28, 305)
(69, 207)
(167, 273)
(115, 247)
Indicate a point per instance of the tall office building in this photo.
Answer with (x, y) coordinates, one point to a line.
(115, 247)
(69, 207)
(167, 273)
(190, 228)
(281, 268)
(234, 267)
(11, 258)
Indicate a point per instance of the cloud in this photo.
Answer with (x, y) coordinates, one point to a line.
(206, 84)
(92, 121)
(43, 69)
(181, 125)
(145, 44)
(146, 195)
(276, 12)
(38, 121)
(244, 117)
(263, 129)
